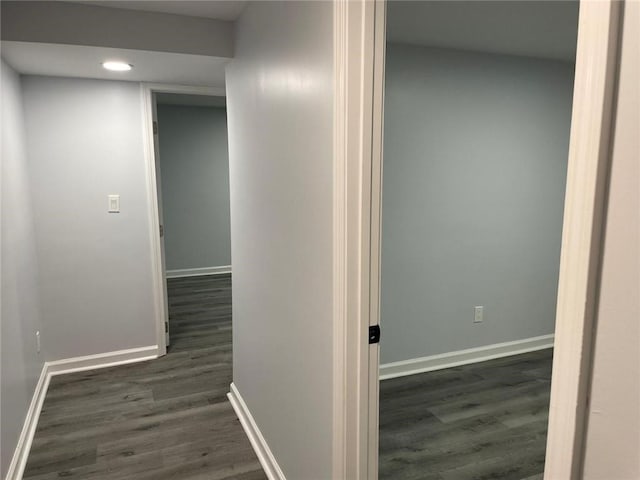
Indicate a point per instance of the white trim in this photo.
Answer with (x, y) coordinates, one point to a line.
(159, 287)
(339, 242)
(196, 272)
(464, 357)
(186, 89)
(353, 440)
(102, 360)
(589, 152)
(59, 367)
(375, 262)
(153, 213)
(259, 444)
(21, 453)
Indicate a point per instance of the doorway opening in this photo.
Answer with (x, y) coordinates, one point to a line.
(189, 181)
(477, 117)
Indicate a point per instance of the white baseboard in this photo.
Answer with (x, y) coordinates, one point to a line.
(102, 360)
(21, 453)
(196, 272)
(59, 367)
(267, 460)
(463, 357)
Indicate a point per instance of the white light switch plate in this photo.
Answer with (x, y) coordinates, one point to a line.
(114, 203)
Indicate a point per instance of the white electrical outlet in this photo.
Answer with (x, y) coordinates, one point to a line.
(38, 341)
(478, 314)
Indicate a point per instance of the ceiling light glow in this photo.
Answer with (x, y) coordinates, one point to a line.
(117, 66)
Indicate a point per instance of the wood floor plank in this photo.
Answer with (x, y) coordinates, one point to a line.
(487, 403)
(55, 459)
(480, 421)
(123, 469)
(167, 418)
(202, 469)
(511, 466)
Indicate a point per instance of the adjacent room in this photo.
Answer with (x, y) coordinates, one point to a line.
(192, 166)
(477, 116)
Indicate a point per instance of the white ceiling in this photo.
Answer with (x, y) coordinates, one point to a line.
(545, 29)
(218, 9)
(85, 62)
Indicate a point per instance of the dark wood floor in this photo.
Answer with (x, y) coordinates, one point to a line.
(167, 418)
(481, 421)
(170, 419)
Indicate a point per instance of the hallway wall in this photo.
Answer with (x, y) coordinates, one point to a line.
(612, 444)
(280, 110)
(86, 142)
(20, 313)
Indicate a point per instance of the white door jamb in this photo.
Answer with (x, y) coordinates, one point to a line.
(589, 158)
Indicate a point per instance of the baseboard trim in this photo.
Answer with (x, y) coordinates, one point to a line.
(463, 357)
(102, 360)
(259, 444)
(59, 367)
(196, 272)
(21, 453)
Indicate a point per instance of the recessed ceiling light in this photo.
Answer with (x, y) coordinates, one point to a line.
(117, 66)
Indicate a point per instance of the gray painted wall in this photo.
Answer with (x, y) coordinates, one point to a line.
(86, 142)
(528, 28)
(280, 110)
(475, 154)
(194, 162)
(20, 305)
(613, 433)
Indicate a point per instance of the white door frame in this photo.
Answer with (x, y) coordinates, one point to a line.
(359, 31)
(353, 104)
(147, 90)
(357, 96)
(580, 256)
